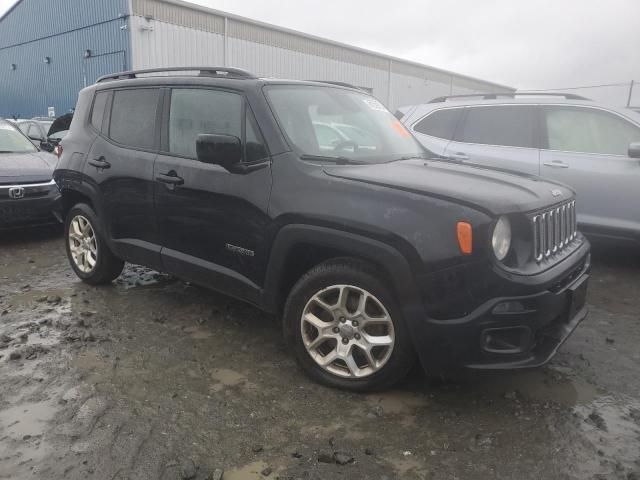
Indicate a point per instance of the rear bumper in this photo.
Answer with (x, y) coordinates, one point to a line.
(506, 333)
(25, 212)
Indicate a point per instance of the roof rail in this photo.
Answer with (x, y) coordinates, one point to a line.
(339, 84)
(226, 72)
(495, 96)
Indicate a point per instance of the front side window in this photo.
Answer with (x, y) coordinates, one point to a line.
(587, 130)
(509, 126)
(440, 124)
(337, 124)
(133, 117)
(12, 141)
(199, 111)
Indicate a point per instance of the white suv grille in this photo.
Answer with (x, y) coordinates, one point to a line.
(553, 230)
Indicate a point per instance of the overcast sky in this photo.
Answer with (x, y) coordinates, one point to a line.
(523, 43)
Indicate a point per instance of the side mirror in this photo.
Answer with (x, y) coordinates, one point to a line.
(634, 150)
(223, 150)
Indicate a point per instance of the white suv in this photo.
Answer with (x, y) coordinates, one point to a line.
(567, 138)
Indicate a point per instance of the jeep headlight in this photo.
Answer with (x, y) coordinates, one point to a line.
(501, 240)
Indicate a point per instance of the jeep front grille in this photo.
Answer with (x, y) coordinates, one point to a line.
(553, 230)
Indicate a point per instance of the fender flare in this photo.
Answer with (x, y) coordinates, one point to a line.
(388, 257)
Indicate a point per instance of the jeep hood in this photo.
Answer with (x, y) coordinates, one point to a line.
(492, 191)
(26, 167)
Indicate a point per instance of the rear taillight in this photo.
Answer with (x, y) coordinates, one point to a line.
(58, 151)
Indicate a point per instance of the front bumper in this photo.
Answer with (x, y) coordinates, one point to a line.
(40, 205)
(509, 332)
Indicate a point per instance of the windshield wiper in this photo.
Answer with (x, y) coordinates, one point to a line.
(336, 160)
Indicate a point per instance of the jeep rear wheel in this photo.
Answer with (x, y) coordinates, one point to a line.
(89, 255)
(346, 328)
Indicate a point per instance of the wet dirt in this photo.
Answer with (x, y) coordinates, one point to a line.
(153, 378)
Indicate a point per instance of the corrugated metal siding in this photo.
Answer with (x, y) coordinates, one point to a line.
(266, 60)
(409, 90)
(302, 44)
(34, 19)
(35, 85)
(173, 45)
(178, 15)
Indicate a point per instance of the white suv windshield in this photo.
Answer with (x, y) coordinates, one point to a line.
(334, 123)
(12, 141)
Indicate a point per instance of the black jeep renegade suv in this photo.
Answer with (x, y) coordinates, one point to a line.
(311, 201)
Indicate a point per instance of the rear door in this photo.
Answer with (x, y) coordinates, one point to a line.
(120, 167)
(587, 148)
(500, 136)
(212, 221)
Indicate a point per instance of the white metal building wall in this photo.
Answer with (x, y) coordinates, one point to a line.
(174, 33)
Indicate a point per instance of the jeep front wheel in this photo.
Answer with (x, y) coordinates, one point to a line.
(346, 328)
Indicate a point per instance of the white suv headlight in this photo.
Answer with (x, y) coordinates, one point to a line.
(501, 240)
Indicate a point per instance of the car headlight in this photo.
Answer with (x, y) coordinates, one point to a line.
(501, 240)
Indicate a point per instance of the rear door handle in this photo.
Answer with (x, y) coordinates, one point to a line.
(556, 164)
(170, 178)
(459, 156)
(100, 163)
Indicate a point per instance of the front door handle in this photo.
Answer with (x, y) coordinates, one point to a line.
(556, 164)
(459, 156)
(100, 163)
(170, 178)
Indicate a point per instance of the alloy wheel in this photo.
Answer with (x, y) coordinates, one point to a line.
(83, 244)
(347, 331)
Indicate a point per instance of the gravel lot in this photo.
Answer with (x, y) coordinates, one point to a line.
(152, 378)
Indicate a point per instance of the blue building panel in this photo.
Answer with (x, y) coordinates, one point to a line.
(57, 49)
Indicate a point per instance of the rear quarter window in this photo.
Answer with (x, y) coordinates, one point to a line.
(440, 124)
(97, 112)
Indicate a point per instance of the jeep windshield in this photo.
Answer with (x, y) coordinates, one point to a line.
(12, 141)
(340, 126)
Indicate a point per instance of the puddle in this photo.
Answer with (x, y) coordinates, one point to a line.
(397, 402)
(406, 464)
(320, 431)
(248, 472)
(551, 385)
(36, 296)
(225, 378)
(612, 428)
(198, 333)
(27, 419)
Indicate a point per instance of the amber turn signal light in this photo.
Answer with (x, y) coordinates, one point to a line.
(465, 237)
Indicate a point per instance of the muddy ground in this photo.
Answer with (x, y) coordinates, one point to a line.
(152, 378)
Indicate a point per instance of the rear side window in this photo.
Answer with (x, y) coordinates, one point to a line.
(133, 117)
(440, 124)
(97, 113)
(588, 130)
(198, 111)
(510, 126)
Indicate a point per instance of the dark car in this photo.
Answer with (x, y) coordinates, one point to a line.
(370, 256)
(28, 194)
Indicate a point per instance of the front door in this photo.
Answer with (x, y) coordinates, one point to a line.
(212, 221)
(587, 148)
(120, 166)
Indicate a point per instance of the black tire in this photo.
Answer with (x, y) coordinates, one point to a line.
(107, 267)
(362, 275)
